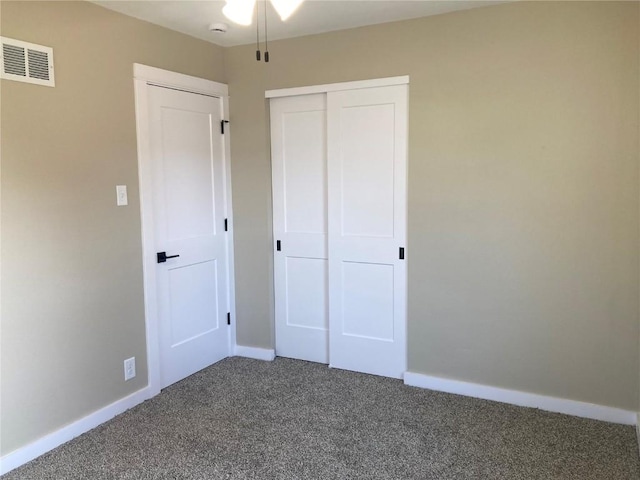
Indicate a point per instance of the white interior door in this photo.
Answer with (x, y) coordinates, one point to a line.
(298, 152)
(187, 153)
(367, 181)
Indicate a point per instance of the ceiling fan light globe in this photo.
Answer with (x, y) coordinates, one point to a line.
(285, 8)
(239, 11)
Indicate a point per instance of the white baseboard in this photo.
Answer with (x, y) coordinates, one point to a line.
(27, 453)
(255, 352)
(523, 399)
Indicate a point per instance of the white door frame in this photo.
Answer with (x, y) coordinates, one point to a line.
(143, 77)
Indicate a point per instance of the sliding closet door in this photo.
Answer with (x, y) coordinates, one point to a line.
(367, 184)
(298, 152)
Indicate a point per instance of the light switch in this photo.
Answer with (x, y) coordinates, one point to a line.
(121, 195)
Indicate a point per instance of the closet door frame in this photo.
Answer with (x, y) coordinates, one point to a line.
(337, 87)
(350, 86)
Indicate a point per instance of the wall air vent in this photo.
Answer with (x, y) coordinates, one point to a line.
(26, 62)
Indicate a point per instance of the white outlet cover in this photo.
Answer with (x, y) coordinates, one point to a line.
(129, 368)
(121, 196)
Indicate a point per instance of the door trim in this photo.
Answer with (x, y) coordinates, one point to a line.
(337, 87)
(143, 77)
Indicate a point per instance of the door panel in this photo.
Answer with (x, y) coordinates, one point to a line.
(306, 292)
(188, 174)
(298, 152)
(367, 168)
(190, 291)
(189, 185)
(304, 169)
(368, 301)
(367, 160)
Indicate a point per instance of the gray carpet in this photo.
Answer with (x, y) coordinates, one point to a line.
(287, 419)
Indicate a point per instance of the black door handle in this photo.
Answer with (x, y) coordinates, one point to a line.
(162, 257)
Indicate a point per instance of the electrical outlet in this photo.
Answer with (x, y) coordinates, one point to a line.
(129, 368)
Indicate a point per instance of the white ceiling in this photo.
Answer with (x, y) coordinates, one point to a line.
(314, 16)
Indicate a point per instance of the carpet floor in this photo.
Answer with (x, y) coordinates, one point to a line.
(288, 419)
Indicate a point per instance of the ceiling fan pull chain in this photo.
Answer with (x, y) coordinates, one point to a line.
(266, 42)
(257, 33)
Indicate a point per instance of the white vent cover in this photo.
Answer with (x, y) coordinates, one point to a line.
(26, 62)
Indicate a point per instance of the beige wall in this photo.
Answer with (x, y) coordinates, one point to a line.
(523, 189)
(72, 305)
(523, 197)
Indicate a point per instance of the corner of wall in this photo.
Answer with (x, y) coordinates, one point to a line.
(638, 430)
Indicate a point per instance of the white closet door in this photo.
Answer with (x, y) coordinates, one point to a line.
(367, 178)
(298, 152)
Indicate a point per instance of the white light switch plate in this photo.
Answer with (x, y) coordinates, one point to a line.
(121, 195)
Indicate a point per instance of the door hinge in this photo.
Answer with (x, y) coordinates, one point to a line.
(278, 245)
(226, 225)
(401, 253)
(222, 122)
(228, 318)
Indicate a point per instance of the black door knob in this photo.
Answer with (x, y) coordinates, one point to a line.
(162, 257)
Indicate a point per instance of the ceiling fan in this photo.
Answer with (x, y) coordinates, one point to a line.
(241, 12)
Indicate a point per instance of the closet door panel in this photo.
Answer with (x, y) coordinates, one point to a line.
(366, 168)
(298, 151)
(304, 171)
(367, 158)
